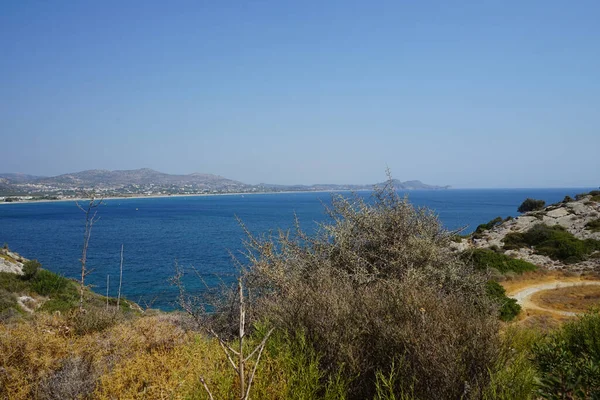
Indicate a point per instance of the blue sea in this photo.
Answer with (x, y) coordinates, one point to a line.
(203, 232)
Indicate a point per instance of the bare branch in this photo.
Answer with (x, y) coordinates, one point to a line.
(210, 396)
(120, 279)
(262, 347)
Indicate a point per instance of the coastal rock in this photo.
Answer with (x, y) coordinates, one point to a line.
(573, 216)
(11, 262)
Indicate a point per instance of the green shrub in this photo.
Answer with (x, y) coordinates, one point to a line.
(62, 302)
(299, 363)
(594, 193)
(569, 360)
(514, 375)
(93, 320)
(30, 269)
(486, 227)
(509, 308)
(483, 259)
(554, 242)
(594, 225)
(567, 199)
(12, 282)
(7, 300)
(48, 283)
(531, 205)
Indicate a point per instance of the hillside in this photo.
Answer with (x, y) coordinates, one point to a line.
(562, 236)
(332, 327)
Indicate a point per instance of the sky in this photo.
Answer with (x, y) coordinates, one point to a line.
(461, 93)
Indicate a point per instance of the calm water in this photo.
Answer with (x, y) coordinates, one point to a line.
(201, 231)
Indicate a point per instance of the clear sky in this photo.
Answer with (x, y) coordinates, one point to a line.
(466, 93)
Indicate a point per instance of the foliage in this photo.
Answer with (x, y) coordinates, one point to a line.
(514, 375)
(486, 227)
(554, 242)
(61, 292)
(593, 225)
(569, 360)
(376, 285)
(12, 282)
(531, 205)
(509, 308)
(30, 269)
(594, 193)
(7, 300)
(148, 357)
(47, 283)
(483, 259)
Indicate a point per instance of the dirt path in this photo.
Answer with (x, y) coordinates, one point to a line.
(523, 295)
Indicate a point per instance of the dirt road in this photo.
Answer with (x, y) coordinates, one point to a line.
(523, 295)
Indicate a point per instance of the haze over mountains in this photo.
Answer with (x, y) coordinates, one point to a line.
(146, 181)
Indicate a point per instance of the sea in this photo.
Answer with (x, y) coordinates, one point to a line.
(203, 233)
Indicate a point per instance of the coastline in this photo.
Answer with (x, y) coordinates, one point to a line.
(160, 196)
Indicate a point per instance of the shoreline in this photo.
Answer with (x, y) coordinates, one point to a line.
(160, 196)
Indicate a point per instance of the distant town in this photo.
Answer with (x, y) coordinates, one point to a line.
(146, 182)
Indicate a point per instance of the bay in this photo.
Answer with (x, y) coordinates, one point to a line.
(203, 231)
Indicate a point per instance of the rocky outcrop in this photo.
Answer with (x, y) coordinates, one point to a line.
(11, 262)
(573, 216)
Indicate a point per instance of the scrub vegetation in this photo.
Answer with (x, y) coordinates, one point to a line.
(554, 242)
(374, 305)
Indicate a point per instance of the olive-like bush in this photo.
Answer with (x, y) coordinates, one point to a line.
(531, 205)
(377, 293)
(30, 269)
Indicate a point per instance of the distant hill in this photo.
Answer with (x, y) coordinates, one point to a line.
(17, 178)
(146, 181)
(99, 178)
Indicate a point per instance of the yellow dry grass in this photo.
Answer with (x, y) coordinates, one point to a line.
(566, 299)
(150, 358)
(573, 299)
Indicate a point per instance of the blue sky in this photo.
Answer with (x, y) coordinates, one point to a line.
(466, 93)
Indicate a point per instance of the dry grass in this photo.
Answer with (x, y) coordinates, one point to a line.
(573, 298)
(149, 357)
(546, 320)
(540, 276)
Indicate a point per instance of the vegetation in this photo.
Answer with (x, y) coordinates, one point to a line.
(595, 195)
(593, 225)
(372, 306)
(531, 205)
(486, 227)
(380, 298)
(569, 360)
(149, 357)
(54, 292)
(30, 269)
(509, 308)
(554, 242)
(483, 259)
